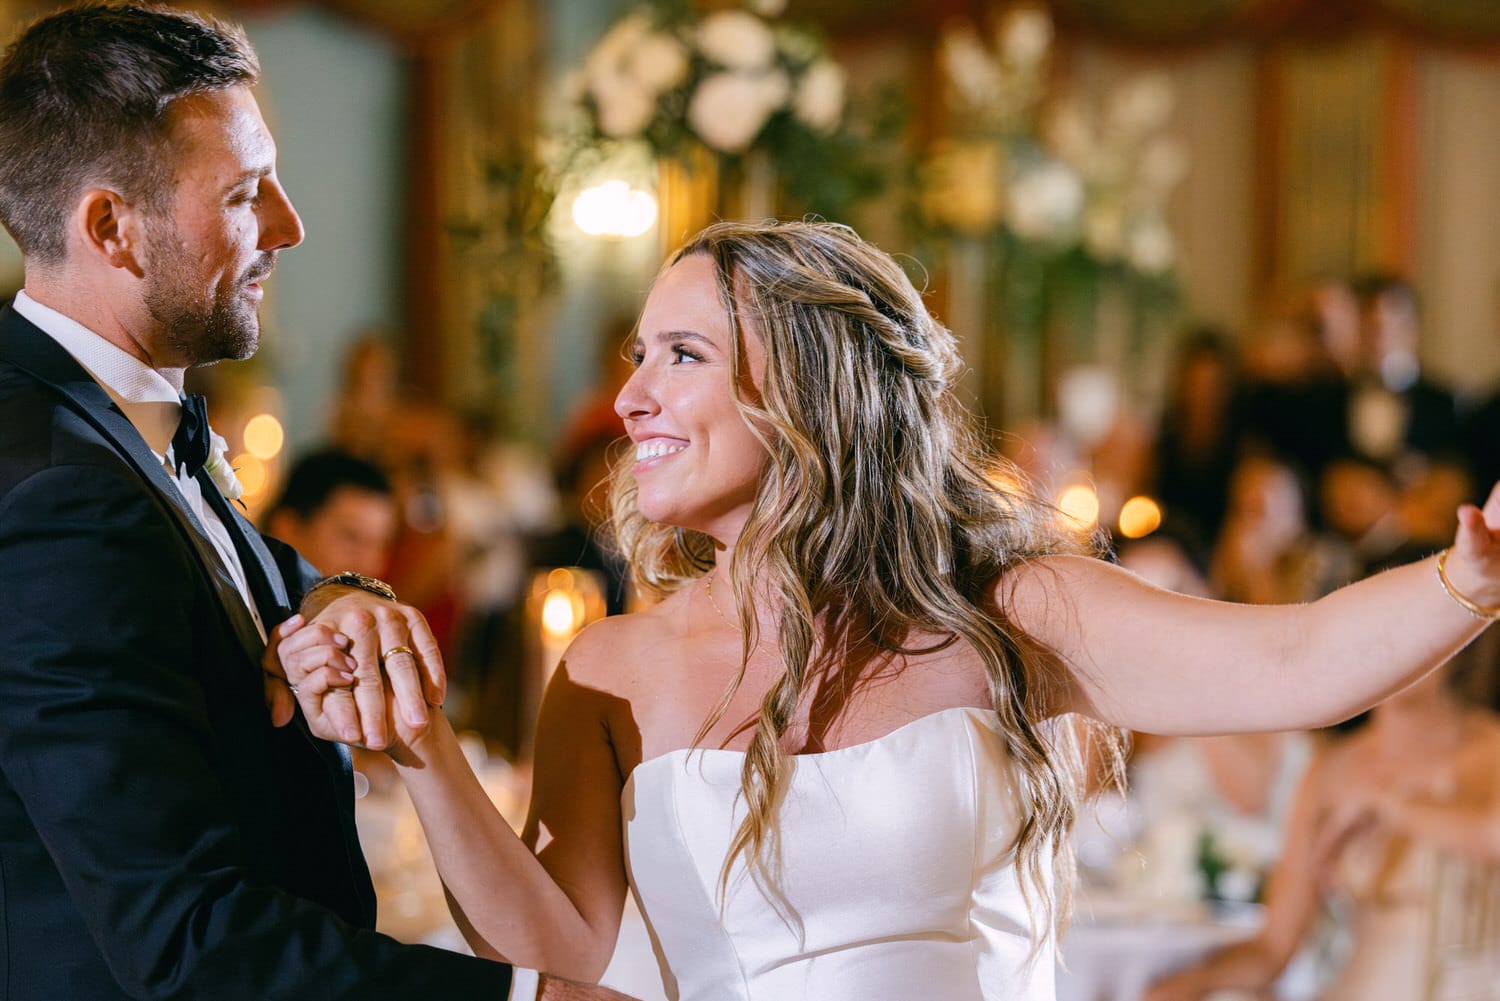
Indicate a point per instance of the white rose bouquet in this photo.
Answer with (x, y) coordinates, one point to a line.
(735, 82)
(1061, 177)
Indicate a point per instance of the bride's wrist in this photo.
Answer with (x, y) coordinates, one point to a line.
(1475, 593)
(424, 749)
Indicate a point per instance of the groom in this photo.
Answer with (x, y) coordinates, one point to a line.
(159, 836)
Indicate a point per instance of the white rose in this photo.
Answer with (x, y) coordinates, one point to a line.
(819, 103)
(1045, 202)
(1150, 246)
(624, 107)
(219, 470)
(969, 67)
(736, 39)
(658, 62)
(728, 110)
(1025, 36)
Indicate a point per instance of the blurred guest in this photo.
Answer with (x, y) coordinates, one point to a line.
(1361, 501)
(1295, 396)
(1396, 824)
(1198, 441)
(1267, 553)
(338, 511)
(1428, 502)
(1395, 412)
(1336, 307)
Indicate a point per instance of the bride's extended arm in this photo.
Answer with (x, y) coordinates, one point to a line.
(1147, 659)
(557, 910)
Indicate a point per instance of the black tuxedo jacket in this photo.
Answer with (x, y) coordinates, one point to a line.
(159, 838)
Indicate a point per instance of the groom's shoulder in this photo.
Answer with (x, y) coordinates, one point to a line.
(30, 411)
(40, 429)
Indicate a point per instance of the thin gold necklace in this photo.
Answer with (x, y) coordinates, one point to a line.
(708, 588)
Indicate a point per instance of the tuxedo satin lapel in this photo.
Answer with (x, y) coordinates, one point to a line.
(26, 347)
(261, 571)
(270, 593)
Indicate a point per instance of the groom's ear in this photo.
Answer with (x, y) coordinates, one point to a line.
(110, 229)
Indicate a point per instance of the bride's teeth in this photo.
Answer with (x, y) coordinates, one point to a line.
(655, 449)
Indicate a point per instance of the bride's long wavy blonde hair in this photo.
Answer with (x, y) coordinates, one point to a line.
(878, 513)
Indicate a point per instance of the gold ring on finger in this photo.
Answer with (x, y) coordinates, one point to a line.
(402, 648)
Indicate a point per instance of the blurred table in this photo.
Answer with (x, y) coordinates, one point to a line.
(1116, 947)
(407, 888)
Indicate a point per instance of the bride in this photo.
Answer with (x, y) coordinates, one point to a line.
(826, 761)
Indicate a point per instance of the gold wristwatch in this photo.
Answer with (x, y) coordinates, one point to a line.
(349, 578)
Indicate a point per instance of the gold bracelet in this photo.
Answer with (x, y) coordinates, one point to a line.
(1469, 605)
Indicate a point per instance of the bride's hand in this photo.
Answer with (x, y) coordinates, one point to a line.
(388, 649)
(1473, 564)
(310, 666)
(313, 662)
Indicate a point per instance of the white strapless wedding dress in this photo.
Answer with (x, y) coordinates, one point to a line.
(897, 871)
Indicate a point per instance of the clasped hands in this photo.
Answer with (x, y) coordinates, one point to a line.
(366, 671)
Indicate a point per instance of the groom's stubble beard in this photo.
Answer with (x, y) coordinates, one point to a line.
(225, 327)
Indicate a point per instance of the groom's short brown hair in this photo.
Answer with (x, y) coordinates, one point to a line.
(85, 96)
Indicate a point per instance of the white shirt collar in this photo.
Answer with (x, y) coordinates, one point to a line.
(146, 398)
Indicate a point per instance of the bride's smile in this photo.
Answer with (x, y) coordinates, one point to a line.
(697, 462)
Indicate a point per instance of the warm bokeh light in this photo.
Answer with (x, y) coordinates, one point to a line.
(562, 613)
(252, 474)
(614, 209)
(1139, 517)
(1081, 504)
(264, 436)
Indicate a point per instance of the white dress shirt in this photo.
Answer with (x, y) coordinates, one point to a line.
(153, 406)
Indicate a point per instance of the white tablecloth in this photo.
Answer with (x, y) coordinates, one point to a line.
(1114, 950)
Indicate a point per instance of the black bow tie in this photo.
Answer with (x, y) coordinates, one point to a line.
(190, 445)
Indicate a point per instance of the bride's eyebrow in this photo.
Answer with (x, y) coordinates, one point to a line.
(673, 336)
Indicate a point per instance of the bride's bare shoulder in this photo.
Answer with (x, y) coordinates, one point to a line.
(610, 653)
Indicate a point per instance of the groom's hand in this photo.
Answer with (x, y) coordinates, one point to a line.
(345, 660)
(554, 989)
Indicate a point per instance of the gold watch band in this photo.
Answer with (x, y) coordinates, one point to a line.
(349, 578)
